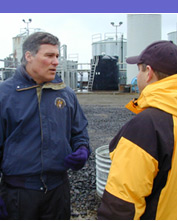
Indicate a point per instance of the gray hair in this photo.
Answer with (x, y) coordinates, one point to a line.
(34, 41)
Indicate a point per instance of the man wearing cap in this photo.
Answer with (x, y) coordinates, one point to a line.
(142, 182)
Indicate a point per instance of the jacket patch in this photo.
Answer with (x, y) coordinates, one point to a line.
(59, 102)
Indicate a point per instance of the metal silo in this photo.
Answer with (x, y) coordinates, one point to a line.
(109, 46)
(17, 46)
(142, 30)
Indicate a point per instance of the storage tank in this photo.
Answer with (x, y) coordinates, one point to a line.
(110, 46)
(17, 46)
(106, 73)
(142, 30)
(172, 36)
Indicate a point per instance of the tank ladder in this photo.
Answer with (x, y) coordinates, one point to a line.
(92, 73)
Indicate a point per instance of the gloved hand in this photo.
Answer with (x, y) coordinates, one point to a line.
(3, 211)
(77, 160)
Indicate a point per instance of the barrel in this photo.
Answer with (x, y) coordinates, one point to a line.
(103, 164)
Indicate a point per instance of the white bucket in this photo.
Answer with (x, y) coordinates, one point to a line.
(103, 164)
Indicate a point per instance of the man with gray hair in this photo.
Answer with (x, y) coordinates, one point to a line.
(42, 134)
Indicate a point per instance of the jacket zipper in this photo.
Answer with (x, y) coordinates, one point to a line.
(39, 101)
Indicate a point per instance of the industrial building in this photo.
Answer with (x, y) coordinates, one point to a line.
(142, 30)
(107, 69)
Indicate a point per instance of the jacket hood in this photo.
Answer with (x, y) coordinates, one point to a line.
(161, 94)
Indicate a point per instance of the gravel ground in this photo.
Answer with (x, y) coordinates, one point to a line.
(106, 115)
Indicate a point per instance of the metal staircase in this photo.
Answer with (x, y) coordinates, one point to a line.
(92, 73)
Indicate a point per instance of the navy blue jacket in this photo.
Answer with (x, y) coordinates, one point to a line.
(39, 126)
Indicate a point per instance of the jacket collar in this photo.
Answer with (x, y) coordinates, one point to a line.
(25, 82)
(161, 94)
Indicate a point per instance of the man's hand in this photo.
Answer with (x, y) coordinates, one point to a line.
(77, 160)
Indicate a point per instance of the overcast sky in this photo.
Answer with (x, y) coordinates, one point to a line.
(73, 29)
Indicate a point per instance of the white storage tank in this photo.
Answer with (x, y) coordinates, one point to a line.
(142, 30)
(172, 36)
(17, 46)
(110, 46)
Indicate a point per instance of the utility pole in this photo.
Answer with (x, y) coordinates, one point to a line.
(116, 26)
(27, 22)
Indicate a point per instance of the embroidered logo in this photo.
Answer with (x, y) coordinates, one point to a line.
(59, 102)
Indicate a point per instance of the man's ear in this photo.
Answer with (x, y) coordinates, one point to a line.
(28, 56)
(150, 74)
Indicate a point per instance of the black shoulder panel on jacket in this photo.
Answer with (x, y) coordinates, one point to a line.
(113, 208)
(152, 130)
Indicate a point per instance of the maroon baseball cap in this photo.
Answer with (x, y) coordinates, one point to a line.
(160, 55)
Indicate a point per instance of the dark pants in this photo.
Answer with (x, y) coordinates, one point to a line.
(25, 204)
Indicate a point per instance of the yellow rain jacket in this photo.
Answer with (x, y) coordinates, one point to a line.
(142, 182)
